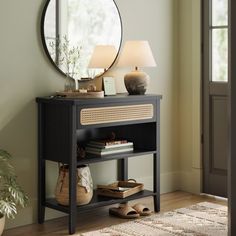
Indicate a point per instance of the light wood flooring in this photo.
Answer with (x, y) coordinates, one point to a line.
(99, 218)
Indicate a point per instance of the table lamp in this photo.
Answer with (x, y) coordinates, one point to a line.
(136, 54)
(103, 56)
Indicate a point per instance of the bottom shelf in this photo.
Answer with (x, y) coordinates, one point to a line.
(98, 201)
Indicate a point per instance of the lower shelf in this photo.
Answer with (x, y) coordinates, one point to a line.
(98, 201)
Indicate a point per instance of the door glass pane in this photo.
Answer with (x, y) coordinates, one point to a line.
(219, 12)
(220, 55)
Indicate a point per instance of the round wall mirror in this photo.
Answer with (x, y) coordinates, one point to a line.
(82, 38)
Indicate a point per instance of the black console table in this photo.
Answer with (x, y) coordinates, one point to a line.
(64, 122)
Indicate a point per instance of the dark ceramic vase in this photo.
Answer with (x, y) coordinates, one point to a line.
(136, 82)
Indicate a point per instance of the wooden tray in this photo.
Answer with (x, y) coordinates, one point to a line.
(77, 94)
(120, 189)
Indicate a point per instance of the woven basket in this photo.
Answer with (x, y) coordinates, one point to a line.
(84, 186)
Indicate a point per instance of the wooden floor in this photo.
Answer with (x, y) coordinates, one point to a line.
(100, 218)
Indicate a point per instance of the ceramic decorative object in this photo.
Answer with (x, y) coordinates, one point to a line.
(84, 186)
(136, 82)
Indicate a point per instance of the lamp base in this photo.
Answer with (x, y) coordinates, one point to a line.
(136, 82)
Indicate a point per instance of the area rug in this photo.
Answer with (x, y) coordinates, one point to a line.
(202, 219)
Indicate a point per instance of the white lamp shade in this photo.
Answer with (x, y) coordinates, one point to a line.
(103, 56)
(136, 54)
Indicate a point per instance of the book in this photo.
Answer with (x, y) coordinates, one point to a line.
(92, 145)
(109, 152)
(108, 142)
(96, 149)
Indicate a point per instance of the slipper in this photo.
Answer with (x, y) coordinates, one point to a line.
(124, 211)
(142, 210)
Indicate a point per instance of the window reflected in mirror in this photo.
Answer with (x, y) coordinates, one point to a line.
(72, 29)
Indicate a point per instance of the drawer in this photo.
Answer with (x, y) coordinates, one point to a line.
(116, 114)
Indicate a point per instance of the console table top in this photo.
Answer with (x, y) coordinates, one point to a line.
(107, 99)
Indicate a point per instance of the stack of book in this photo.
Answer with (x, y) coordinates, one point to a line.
(104, 147)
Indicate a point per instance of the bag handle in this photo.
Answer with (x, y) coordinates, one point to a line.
(132, 180)
(61, 166)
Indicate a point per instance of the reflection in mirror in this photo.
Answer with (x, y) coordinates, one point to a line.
(71, 30)
(102, 56)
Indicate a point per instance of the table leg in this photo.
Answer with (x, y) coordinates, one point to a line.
(123, 169)
(156, 182)
(41, 190)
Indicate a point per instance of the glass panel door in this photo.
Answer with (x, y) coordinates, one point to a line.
(219, 40)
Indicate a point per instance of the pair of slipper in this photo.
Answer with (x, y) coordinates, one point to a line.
(127, 212)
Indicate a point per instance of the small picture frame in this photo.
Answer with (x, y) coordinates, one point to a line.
(109, 86)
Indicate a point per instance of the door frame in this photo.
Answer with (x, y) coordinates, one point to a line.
(231, 120)
(232, 123)
(211, 91)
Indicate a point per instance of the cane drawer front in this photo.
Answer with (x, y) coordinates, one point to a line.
(116, 114)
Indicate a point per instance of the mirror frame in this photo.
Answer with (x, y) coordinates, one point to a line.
(46, 48)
